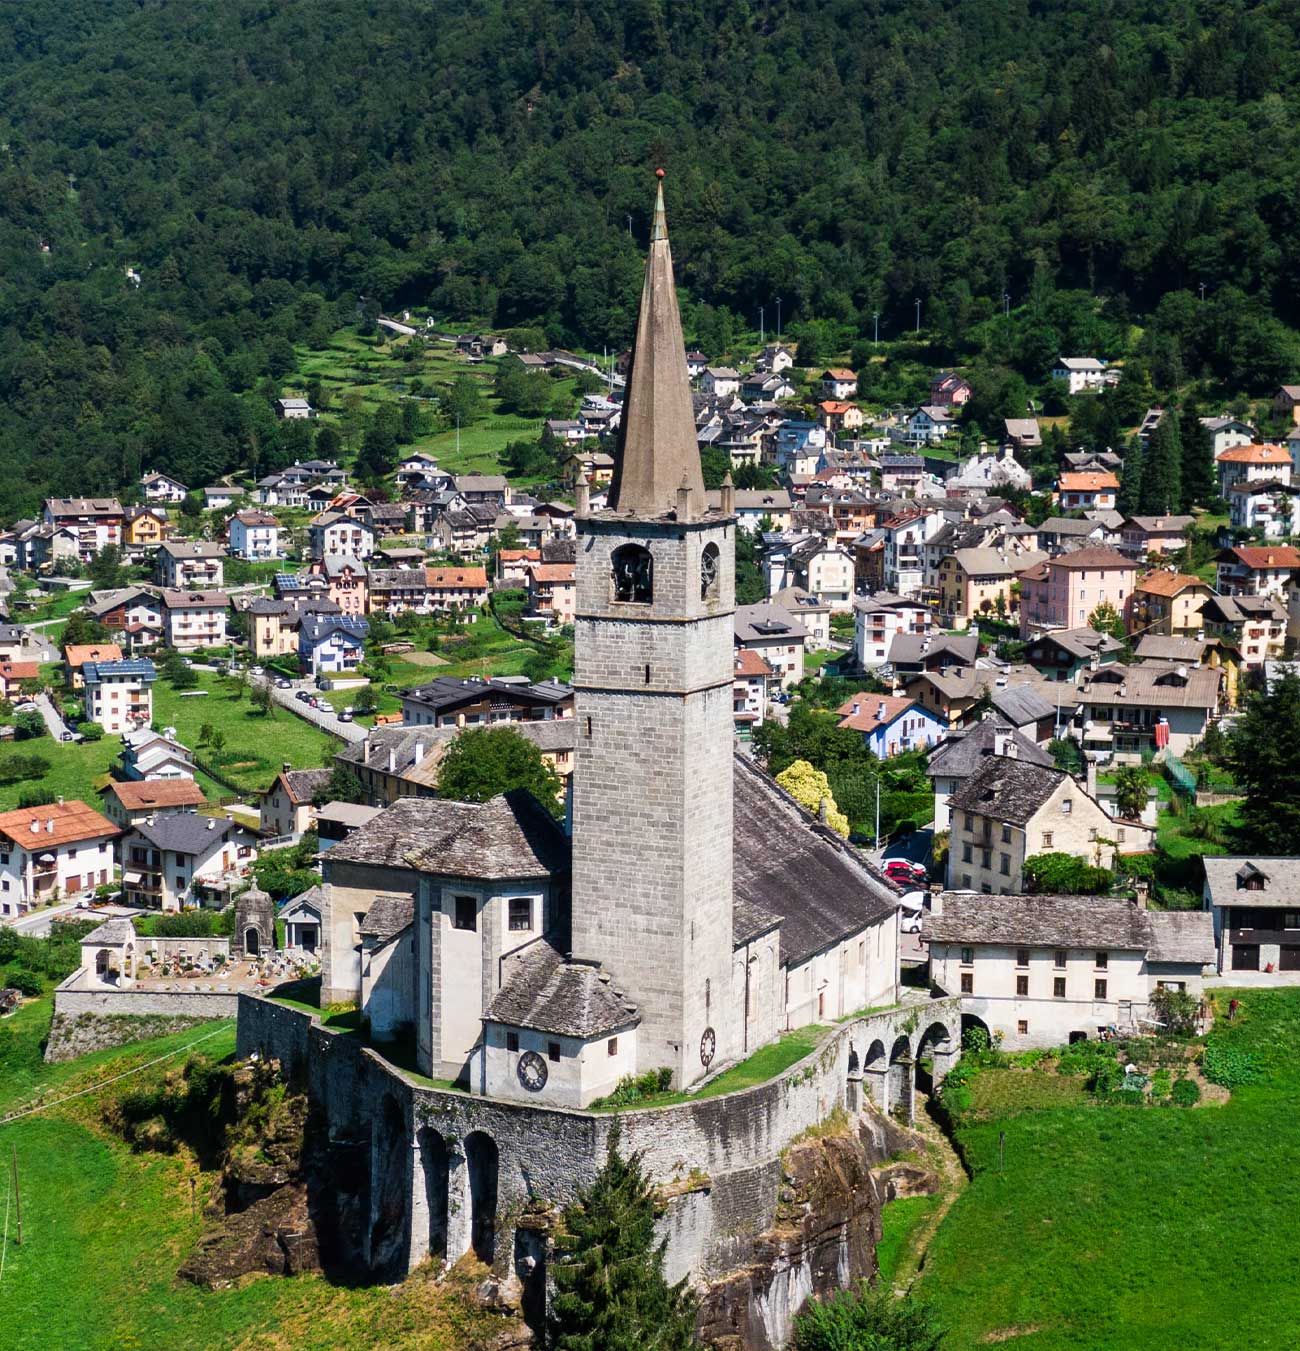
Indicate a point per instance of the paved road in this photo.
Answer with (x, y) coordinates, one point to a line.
(53, 722)
(37, 925)
(345, 731)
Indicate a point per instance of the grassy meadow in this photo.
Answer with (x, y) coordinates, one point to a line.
(1112, 1227)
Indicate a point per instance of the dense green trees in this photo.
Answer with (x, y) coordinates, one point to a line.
(1042, 179)
(1263, 753)
(485, 761)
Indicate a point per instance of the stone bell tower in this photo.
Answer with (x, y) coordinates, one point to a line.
(652, 798)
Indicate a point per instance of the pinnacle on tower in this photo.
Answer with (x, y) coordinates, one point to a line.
(658, 449)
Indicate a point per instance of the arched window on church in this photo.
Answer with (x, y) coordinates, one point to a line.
(633, 569)
(710, 567)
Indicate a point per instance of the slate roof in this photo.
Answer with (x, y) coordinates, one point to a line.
(1038, 921)
(1280, 873)
(1066, 525)
(302, 783)
(764, 622)
(961, 754)
(1081, 642)
(387, 917)
(186, 833)
(1021, 704)
(789, 865)
(112, 933)
(541, 990)
(1154, 685)
(1181, 936)
(512, 836)
(1007, 790)
(1159, 647)
(313, 897)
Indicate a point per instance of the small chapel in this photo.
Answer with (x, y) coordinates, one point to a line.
(688, 911)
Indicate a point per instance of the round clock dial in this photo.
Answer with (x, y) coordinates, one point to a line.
(532, 1071)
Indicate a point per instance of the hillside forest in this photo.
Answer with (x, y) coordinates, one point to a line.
(1114, 179)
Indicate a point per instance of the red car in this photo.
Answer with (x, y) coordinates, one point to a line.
(904, 870)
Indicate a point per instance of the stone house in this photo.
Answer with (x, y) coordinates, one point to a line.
(1148, 707)
(392, 591)
(1010, 810)
(55, 851)
(963, 753)
(1046, 970)
(286, 807)
(1255, 906)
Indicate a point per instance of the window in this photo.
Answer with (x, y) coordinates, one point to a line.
(968, 982)
(968, 956)
(965, 853)
(1022, 985)
(1022, 956)
(1290, 918)
(1067, 806)
(1103, 960)
(1099, 989)
(1058, 987)
(633, 574)
(1047, 839)
(965, 881)
(612, 1046)
(1004, 866)
(465, 914)
(521, 913)
(1022, 1028)
(1059, 959)
(1092, 832)
(986, 858)
(512, 1041)
(1006, 834)
(709, 571)
(553, 1051)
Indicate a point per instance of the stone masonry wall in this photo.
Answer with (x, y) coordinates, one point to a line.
(91, 1020)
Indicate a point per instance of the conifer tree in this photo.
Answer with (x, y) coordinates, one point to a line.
(1162, 476)
(1198, 458)
(1129, 497)
(610, 1291)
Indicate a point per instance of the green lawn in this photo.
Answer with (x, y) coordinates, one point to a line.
(1114, 1227)
(105, 1229)
(1175, 839)
(256, 745)
(898, 1222)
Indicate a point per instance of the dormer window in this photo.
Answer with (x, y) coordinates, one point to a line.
(633, 574)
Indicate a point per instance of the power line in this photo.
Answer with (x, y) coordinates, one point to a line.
(126, 1074)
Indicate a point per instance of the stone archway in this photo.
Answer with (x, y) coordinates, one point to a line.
(252, 942)
(972, 1023)
(853, 1085)
(902, 1081)
(435, 1163)
(875, 1074)
(482, 1162)
(935, 1055)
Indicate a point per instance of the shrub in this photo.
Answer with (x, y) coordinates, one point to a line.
(91, 731)
(1058, 874)
(16, 768)
(1229, 1068)
(35, 797)
(636, 1087)
(1176, 1010)
(29, 726)
(1186, 1093)
(26, 982)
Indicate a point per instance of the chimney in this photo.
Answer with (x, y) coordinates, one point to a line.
(1090, 781)
(212, 823)
(880, 713)
(823, 812)
(392, 760)
(36, 826)
(418, 754)
(60, 801)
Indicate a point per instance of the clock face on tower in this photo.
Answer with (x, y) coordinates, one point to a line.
(532, 1071)
(708, 1047)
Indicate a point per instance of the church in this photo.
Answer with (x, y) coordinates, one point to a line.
(688, 911)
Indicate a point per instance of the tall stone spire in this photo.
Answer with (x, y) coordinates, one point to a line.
(658, 451)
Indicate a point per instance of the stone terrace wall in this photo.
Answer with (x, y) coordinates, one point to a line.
(92, 1020)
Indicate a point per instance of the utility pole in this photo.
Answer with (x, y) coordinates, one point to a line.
(458, 435)
(629, 227)
(1202, 290)
(778, 318)
(1006, 303)
(877, 812)
(918, 316)
(875, 318)
(762, 331)
(18, 1200)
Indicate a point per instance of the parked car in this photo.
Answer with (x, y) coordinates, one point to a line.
(345, 716)
(256, 670)
(904, 870)
(283, 684)
(304, 697)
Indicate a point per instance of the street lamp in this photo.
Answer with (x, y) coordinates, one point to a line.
(1006, 302)
(876, 320)
(762, 331)
(629, 227)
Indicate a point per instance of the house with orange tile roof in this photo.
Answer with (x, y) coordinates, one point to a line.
(1087, 491)
(1257, 570)
(76, 655)
(1167, 603)
(839, 383)
(891, 723)
(61, 849)
(457, 588)
(13, 673)
(1256, 461)
(553, 591)
(753, 679)
(127, 804)
(513, 565)
(838, 415)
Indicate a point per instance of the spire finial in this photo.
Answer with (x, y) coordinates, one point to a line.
(659, 229)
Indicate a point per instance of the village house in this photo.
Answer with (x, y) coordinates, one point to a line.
(1126, 711)
(749, 692)
(1035, 709)
(949, 390)
(194, 619)
(293, 409)
(450, 701)
(274, 624)
(142, 531)
(775, 634)
(905, 539)
(158, 487)
(890, 724)
(149, 756)
(218, 496)
(419, 469)
(925, 426)
(720, 381)
(464, 589)
(345, 581)
(119, 694)
(1021, 434)
(1087, 491)
(1037, 971)
(1247, 630)
(798, 446)
(910, 653)
(1251, 464)
(962, 753)
(812, 613)
(839, 416)
(331, 644)
(128, 803)
(1064, 534)
(94, 522)
(512, 566)
(1286, 402)
(166, 859)
(553, 592)
(1226, 431)
(1064, 592)
(838, 383)
(1060, 654)
(52, 852)
(1167, 603)
(1153, 536)
(286, 807)
(1010, 810)
(332, 532)
(191, 564)
(754, 506)
(466, 532)
(1082, 373)
(952, 692)
(817, 567)
(976, 583)
(878, 620)
(1265, 505)
(990, 473)
(254, 535)
(1254, 905)
(76, 655)
(1257, 570)
(393, 591)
